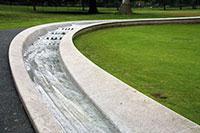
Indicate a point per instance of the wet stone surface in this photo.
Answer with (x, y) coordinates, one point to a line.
(72, 109)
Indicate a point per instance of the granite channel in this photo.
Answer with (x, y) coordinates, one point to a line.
(74, 95)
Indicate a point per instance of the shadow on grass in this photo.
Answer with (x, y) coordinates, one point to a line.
(72, 12)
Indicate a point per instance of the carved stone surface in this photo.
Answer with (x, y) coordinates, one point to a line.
(125, 109)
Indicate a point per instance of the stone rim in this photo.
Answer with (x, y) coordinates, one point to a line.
(41, 118)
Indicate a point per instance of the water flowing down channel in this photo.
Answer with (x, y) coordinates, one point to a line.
(70, 106)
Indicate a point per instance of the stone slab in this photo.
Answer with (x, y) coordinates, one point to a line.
(128, 109)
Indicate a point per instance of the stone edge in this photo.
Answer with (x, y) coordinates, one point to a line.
(41, 118)
(108, 92)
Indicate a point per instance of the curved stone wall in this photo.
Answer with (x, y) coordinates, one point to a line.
(126, 108)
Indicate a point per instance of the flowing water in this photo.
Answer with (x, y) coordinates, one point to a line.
(70, 106)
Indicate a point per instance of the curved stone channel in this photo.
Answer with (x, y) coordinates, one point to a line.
(71, 107)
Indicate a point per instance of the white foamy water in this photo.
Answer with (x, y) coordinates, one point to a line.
(70, 106)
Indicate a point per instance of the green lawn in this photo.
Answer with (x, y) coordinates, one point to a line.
(161, 61)
(12, 17)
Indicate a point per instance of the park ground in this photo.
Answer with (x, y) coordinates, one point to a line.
(15, 17)
(161, 61)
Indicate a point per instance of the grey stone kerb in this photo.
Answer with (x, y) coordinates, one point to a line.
(128, 109)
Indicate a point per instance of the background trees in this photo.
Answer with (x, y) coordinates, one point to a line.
(92, 7)
(124, 6)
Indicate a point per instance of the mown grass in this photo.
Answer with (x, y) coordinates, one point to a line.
(161, 61)
(12, 17)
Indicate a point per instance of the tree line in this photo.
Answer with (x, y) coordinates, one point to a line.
(124, 6)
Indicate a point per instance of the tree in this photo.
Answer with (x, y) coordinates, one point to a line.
(125, 7)
(180, 4)
(33, 3)
(92, 7)
(83, 5)
(194, 4)
(164, 4)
